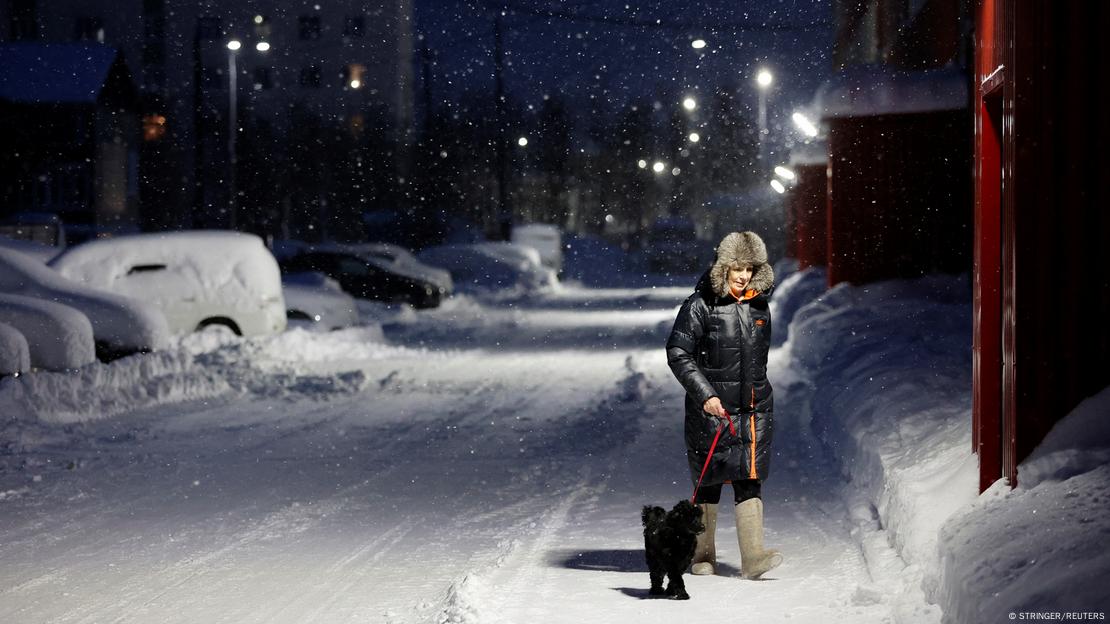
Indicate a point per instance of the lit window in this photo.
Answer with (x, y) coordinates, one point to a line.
(154, 127)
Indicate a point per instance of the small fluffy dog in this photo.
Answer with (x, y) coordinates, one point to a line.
(669, 540)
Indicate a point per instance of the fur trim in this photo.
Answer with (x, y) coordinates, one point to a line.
(740, 249)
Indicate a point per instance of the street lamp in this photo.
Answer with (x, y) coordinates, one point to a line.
(233, 46)
(689, 103)
(763, 79)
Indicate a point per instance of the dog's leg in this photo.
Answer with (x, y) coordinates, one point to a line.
(655, 568)
(676, 589)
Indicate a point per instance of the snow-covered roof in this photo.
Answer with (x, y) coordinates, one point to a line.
(54, 72)
(815, 152)
(869, 90)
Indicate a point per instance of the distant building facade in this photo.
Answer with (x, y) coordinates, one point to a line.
(343, 64)
(70, 118)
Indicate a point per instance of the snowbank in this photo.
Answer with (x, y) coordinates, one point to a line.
(886, 376)
(201, 365)
(885, 371)
(1042, 546)
(15, 356)
(59, 337)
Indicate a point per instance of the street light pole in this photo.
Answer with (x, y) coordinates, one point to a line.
(763, 79)
(232, 131)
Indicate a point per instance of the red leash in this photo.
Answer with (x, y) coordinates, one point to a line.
(712, 447)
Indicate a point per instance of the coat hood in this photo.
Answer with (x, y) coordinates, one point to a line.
(736, 250)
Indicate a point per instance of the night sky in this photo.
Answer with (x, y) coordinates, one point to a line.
(604, 55)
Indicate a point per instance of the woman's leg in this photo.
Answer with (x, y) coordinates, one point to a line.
(705, 553)
(754, 560)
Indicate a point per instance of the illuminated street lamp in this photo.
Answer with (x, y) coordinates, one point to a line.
(804, 124)
(658, 167)
(694, 137)
(779, 188)
(522, 141)
(697, 44)
(763, 79)
(784, 173)
(233, 46)
(689, 103)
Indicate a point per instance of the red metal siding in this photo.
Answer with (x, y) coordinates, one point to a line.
(1054, 260)
(808, 203)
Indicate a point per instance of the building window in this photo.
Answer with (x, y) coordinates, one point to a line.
(310, 76)
(263, 78)
(310, 27)
(354, 27)
(88, 29)
(209, 28)
(154, 127)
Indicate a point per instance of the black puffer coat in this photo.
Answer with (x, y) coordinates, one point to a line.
(719, 347)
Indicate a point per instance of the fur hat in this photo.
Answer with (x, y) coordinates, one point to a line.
(735, 251)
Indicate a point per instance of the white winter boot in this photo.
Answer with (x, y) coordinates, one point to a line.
(754, 561)
(705, 553)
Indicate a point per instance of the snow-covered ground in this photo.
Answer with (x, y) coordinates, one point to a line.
(486, 461)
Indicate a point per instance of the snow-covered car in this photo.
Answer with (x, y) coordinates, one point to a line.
(121, 325)
(39, 251)
(400, 260)
(546, 239)
(15, 355)
(491, 266)
(197, 278)
(58, 337)
(316, 301)
(366, 278)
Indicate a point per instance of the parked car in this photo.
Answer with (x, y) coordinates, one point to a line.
(121, 325)
(544, 238)
(316, 301)
(365, 278)
(491, 266)
(15, 355)
(397, 259)
(197, 279)
(58, 336)
(39, 251)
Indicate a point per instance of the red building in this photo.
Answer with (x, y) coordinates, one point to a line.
(1042, 222)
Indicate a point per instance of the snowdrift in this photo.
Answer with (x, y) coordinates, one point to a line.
(886, 373)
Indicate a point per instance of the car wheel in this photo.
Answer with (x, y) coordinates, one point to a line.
(220, 322)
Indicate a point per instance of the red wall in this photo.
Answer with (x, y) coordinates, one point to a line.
(1042, 273)
(808, 202)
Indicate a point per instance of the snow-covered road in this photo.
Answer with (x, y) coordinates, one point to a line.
(490, 468)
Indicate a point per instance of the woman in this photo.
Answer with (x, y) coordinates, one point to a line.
(718, 351)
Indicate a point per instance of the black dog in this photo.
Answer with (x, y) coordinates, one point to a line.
(669, 540)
